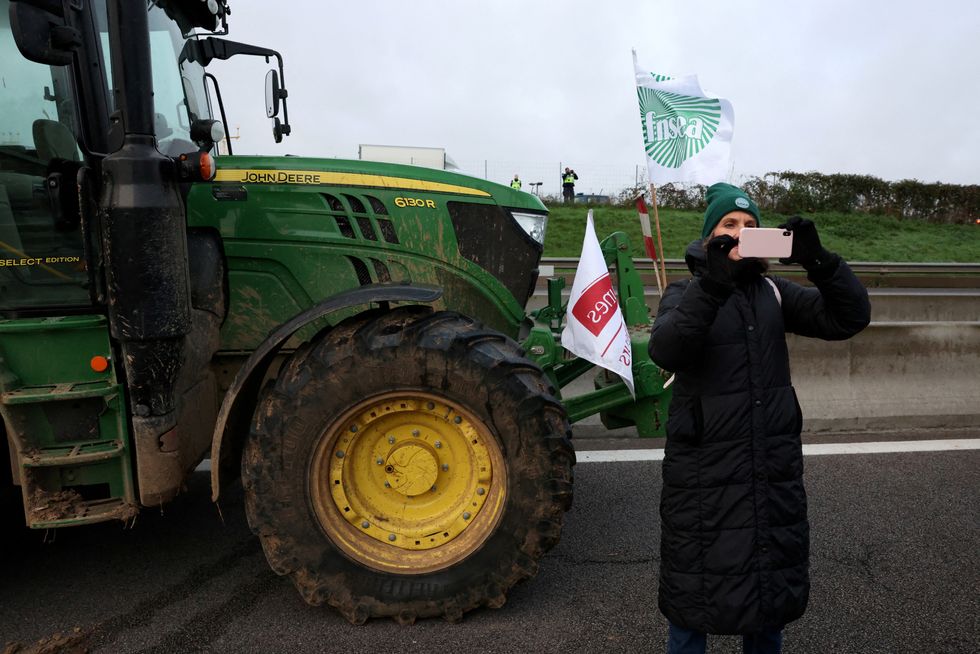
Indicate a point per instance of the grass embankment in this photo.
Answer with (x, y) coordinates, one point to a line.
(856, 237)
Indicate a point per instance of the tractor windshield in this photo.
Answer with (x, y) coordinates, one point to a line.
(179, 94)
(41, 259)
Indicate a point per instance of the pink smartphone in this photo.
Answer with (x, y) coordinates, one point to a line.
(765, 243)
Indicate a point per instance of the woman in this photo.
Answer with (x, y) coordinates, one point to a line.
(734, 531)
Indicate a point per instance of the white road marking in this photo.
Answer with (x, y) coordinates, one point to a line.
(887, 447)
(618, 456)
(815, 449)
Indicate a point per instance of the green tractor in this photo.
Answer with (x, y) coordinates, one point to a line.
(347, 338)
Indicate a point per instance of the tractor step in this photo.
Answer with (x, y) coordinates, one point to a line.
(59, 392)
(73, 455)
(67, 509)
(65, 418)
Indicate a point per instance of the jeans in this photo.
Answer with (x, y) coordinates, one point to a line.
(685, 641)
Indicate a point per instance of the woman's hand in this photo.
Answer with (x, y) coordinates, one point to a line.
(718, 279)
(807, 249)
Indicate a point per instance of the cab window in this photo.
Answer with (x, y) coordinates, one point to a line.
(179, 94)
(41, 259)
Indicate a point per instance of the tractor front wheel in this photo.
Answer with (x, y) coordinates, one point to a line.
(408, 464)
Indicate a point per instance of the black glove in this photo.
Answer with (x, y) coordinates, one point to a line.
(717, 281)
(807, 250)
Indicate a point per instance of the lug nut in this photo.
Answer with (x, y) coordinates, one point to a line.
(466, 515)
(340, 454)
(387, 485)
(391, 440)
(457, 420)
(379, 461)
(438, 444)
(430, 405)
(433, 489)
(445, 466)
(353, 427)
(365, 524)
(480, 491)
(415, 433)
(391, 537)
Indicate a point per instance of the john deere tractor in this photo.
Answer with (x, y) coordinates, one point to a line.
(349, 339)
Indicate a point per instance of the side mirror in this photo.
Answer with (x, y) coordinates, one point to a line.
(42, 36)
(272, 91)
(204, 51)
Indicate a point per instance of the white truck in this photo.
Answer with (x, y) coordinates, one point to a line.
(403, 154)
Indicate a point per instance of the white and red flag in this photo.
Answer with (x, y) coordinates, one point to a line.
(641, 209)
(594, 325)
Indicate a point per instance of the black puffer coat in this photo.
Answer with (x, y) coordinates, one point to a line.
(735, 537)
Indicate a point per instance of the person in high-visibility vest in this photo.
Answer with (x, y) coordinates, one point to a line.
(568, 185)
(516, 183)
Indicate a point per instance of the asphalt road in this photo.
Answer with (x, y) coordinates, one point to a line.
(895, 568)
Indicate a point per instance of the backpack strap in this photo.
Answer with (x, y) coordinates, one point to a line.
(775, 289)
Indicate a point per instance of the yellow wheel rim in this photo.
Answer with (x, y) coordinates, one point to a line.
(408, 482)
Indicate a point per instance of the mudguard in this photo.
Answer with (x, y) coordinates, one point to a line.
(236, 408)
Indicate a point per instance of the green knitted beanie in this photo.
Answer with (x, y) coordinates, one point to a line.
(723, 199)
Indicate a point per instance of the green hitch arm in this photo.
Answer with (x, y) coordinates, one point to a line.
(599, 400)
(610, 399)
(553, 313)
(617, 252)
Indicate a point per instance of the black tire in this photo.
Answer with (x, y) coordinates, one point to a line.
(408, 349)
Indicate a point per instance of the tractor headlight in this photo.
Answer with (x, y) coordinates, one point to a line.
(532, 223)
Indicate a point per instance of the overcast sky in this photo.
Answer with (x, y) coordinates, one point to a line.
(889, 89)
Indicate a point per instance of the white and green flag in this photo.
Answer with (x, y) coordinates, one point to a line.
(687, 135)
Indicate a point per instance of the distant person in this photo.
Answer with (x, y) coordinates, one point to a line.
(735, 540)
(516, 183)
(568, 185)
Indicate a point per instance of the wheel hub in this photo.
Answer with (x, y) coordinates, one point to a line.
(412, 469)
(408, 481)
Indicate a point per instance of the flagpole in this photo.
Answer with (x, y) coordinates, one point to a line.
(656, 273)
(660, 245)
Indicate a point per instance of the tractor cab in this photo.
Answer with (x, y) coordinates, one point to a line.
(56, 118)
(105, 122)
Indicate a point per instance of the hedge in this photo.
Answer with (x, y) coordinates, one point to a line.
(789, 192)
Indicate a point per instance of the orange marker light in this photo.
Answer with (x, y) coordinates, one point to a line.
(196, 166)
(99, 363)
(207, 167)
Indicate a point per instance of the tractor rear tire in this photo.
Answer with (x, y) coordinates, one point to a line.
(408, 464)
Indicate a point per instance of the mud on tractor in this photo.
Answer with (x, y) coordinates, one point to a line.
(347, 338)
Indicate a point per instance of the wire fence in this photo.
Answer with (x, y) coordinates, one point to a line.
(596, 182)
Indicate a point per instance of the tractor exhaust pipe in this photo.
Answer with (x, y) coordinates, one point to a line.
(144, 241)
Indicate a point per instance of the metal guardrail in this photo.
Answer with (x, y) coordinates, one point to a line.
(859, 267)
(871, 273)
